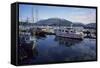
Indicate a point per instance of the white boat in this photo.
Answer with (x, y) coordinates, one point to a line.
(69, 33)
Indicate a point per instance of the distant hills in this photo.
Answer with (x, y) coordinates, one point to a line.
(64, 22)
(60, 22)
(91, 26)
(54, 22)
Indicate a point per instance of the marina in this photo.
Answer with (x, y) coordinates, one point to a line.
(47, 44)
(61, 49)
(40, 44)
(56, 38)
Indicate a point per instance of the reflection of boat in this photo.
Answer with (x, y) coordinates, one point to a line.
(26, 37)
(69, 33)
(26, 46)
(25, 52)
(66, 41)
(26, 43)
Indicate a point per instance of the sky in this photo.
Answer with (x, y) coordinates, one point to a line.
(73, 14)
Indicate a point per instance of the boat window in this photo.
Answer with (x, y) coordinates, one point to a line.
(66, 31)
(62, 30)
(72, 31)
(59, 30)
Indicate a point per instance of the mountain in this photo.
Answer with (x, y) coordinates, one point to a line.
(54, 22)
(90, 26)
(60, 22)
(25, 23)
(78, 24)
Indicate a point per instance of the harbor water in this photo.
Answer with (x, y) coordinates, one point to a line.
(57, 49)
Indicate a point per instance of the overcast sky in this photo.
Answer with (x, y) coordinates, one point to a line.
(83, 15)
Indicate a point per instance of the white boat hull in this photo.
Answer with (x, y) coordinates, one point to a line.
(74, 36)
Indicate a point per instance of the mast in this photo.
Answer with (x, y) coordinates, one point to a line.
(32, 15)
(71, 26)
(36, 15)
(34, 28)
(27, 20)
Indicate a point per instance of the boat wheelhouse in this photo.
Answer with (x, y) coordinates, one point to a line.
(69, 33)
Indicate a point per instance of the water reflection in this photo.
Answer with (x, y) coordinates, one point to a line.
(26, 49)
(67, 41)
(51, 48)
(40, 37)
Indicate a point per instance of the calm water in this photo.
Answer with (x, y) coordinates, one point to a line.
(53, 49)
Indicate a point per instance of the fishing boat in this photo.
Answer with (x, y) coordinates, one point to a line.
(69, 32)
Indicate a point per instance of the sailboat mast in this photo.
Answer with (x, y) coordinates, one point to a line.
(27, 20)
(36, 15)
(71, 25)
(32, 15)
(34, 28)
